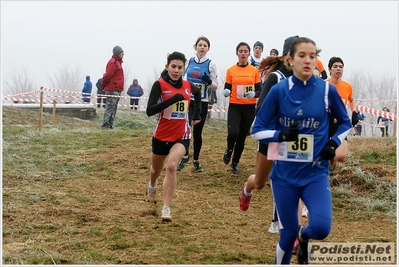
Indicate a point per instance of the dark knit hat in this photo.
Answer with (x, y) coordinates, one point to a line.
(117, 50)
(274, 50)
(87, 77)
(287, 44)
(258, 43)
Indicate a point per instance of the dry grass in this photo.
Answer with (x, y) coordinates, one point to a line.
(74, 194)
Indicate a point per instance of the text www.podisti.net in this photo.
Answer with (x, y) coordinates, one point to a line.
(352, 252)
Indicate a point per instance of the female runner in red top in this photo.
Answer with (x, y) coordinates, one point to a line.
(170, 99)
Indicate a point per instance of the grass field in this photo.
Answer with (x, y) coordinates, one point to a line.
(75, 194)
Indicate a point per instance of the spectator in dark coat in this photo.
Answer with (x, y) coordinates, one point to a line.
(101, 99)
(136, 91)
(358, 126)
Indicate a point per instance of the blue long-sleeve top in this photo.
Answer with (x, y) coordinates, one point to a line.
(305, 103)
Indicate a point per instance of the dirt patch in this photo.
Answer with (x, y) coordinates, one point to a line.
(102, 216)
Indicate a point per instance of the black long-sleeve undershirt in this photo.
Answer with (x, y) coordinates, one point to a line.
(270, 81)
(153, 107)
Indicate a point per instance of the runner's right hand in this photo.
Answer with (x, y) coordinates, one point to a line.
(226, 92)
(289, 134)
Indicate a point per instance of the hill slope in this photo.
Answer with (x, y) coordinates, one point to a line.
(75, 194)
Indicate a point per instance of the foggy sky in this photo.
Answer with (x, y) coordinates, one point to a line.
(43, 37)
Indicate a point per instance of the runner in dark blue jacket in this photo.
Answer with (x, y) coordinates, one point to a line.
(303, 149)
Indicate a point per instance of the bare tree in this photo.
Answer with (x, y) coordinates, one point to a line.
(357, 81)
(66, 79)
(19, 82)
(126, 84)
(127, 79)
(154, 76)
(148, 84)
(388, 90)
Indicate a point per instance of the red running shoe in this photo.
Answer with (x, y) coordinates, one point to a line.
(244, 200)
(295, 249)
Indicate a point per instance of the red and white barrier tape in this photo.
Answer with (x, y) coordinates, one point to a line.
(60, 91)
(93, 95)
(221, 109)
(23, 94)
(23, 99)
(377, 112)
(218, 108)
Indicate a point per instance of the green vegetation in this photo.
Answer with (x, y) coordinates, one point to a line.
(75, 194)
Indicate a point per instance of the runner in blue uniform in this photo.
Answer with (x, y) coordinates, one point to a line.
(303, 149)
(202, 72)
(275, 70)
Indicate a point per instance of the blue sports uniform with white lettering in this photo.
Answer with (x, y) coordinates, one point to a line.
(305, 103)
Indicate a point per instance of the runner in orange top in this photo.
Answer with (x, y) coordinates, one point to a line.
(345, 92)
(242, 80)
(243, 86)
(336, 69)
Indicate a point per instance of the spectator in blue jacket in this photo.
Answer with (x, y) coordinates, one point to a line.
(135, 91)
(384, 122)
(86, 91)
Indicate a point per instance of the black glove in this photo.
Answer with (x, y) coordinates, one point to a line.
(196, 117)
(328, 151)
(355, 118)
(177, 98)
(289, 134)
(206, 79)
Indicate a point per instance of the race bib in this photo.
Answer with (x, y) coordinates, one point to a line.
(201, 86)
(297, 151)
(243, 89)
(176, 111)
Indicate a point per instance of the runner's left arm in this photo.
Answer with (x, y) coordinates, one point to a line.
(267, 111)
(154, 106)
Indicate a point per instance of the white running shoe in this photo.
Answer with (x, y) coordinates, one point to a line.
(166, 216)
(305, 211)
(274, 229)
(151, 192)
